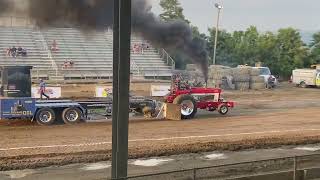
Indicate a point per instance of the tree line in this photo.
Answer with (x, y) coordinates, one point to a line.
(281, 51)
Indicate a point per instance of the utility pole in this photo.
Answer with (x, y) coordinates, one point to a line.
(121, 76)
(219, 7)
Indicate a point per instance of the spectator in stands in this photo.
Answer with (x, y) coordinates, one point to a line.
(19, 51)
(24, 52)
(54, 46)
(134, 48)
(65, 64)
(143, 47)
(147, 45)
(68, 64)
(8, 51)
(42, 85)
(71, 63)
(137, 48)
(14, 51)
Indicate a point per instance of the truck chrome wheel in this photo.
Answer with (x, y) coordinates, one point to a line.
(45, 116)
(72, 115)
(187, 107)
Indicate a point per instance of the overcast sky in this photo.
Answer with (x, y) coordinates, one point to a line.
(267, 15)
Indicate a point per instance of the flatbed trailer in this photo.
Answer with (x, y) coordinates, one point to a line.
(16, 101)
(47, 112)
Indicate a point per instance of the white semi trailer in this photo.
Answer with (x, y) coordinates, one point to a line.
(306, 77)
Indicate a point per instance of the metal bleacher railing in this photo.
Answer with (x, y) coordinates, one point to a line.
(167, 58)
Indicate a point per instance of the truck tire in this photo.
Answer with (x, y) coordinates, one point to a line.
(223, 109)
(71, 115)
(303, 84)
(45, 116)
(188, 106)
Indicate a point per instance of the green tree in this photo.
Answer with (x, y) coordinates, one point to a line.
(196, 33)
(239, 47)
(315, 40)
(315, 49)
(269, 51)
(172, 10)
(282, 52)
(292, 53)
(225, 45)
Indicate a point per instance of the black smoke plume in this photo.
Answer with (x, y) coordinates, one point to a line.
(98, 14)
(174, 35)
(5, 6)
(85, 14)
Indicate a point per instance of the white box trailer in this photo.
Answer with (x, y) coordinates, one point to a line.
(306, 77)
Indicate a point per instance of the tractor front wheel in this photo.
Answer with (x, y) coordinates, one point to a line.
(223, 109)
(188, 106)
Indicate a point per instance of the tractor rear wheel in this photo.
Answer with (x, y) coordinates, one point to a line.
(188, 106)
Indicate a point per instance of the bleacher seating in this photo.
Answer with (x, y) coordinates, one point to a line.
(26, 38)
(91, 53)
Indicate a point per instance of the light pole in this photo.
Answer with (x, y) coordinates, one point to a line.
(219, 7)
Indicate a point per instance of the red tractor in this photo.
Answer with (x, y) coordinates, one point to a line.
(192, 98)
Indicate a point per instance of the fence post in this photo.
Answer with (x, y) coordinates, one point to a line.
(295, 168)
(194, 174)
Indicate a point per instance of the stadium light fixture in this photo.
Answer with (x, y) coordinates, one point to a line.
(219, 7)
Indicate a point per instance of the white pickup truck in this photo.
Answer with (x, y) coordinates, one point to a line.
(266, 73)
(306, 77)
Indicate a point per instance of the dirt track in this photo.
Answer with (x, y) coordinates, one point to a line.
(262, 119)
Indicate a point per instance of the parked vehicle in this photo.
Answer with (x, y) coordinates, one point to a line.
(269, 79)
(306, 77)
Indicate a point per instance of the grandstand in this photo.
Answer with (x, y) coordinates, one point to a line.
(91, 54)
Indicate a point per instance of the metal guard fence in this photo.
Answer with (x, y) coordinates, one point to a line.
(239, 170)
